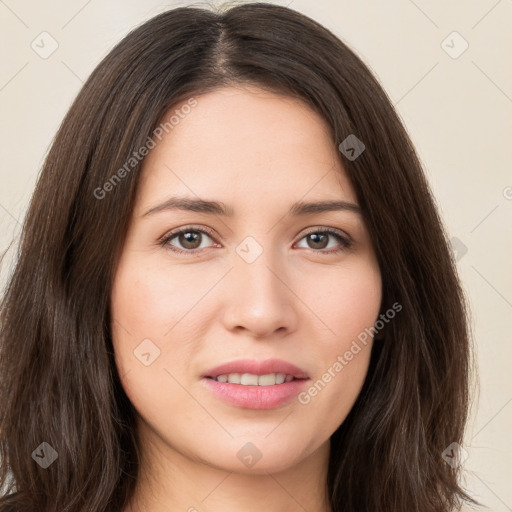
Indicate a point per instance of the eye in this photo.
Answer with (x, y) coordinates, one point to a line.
(190, 239)
(319, 240)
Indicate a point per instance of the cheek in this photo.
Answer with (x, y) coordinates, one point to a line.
(148, 299)
(141, 310)
(355, 304)
(157, 302)
(345, 300)
(348, 309)
(147, 304)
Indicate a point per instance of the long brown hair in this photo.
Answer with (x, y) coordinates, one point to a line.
(58, 382)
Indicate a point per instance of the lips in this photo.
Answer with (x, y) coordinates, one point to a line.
(256, 367)
(258, 395)
(255, 397)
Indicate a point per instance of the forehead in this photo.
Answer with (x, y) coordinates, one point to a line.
(246, 145)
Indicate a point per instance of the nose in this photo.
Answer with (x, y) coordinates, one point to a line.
(260, 301)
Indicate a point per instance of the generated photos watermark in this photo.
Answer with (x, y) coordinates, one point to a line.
(138, 156)
(343, 360)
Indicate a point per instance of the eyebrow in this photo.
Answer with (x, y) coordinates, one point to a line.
(298, 209)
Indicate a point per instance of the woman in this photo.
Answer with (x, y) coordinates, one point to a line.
(233, 287)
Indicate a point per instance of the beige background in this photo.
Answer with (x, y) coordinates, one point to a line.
(456, 106)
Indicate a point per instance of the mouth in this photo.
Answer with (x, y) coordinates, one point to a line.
(252, 384)
(251, 379)
(252, 372)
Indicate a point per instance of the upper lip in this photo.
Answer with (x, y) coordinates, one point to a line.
(257, 368)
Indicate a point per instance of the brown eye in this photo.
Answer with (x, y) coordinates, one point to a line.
(319, 240)
(190, 239)
(186, 240)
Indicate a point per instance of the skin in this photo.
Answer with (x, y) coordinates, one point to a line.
(258, 153)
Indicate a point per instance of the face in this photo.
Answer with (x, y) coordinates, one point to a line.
(263, 283)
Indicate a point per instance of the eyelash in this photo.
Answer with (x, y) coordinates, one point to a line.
(346, 242)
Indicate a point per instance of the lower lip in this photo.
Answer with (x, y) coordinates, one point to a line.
(256, 397)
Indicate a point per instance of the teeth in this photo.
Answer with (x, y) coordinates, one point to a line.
(234, 378)
(281, 377)
(249, 379)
